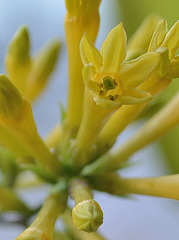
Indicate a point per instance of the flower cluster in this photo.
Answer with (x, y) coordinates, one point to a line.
(108, 89)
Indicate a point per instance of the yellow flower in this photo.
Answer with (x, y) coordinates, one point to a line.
(113, 81)
(167, 43)
(110, 82)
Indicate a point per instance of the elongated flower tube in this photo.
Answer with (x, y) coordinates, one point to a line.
(87, 214)
(110, 83)
(82, 16)
(155, 83)
(157, 126)
(16, 115)
(42, 227)
(163, 186)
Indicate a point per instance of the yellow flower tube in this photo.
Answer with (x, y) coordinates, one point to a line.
(42, 227)
(82, 17)
(163, 186)
(16, 115)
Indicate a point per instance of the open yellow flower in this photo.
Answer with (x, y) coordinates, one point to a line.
(113, 81)
(110, 82)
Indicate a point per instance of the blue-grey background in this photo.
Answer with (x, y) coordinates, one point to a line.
(139, 218)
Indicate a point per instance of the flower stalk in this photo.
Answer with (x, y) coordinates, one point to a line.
(87, 214)
(42, 227)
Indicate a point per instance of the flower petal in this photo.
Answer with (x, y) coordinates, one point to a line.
(89, 54)
(134, 72)
(113, 49)
(174, 68)
(158, 36)
(135, 96)
(171, 40)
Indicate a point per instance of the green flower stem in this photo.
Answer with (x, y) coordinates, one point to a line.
(42, 227)
(87, 214)
(157, 126)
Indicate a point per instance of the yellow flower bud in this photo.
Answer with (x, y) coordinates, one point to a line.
(42, 66)
(17, 59)
(87, 214)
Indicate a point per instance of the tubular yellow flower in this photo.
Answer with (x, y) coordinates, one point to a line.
(110, 82)
(82, 16)
(87, 214)
(163, 186)
(42, 227)
(17, 61)
(16, 115)
(157, 126)
(155, 83)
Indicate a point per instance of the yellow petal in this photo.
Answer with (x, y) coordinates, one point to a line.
(174, 68)
(171, 40)
(89, 54)
(135, 96)
(164, 64)
(158, 36)
(134, 72)
(88, 73)
(113, 49)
